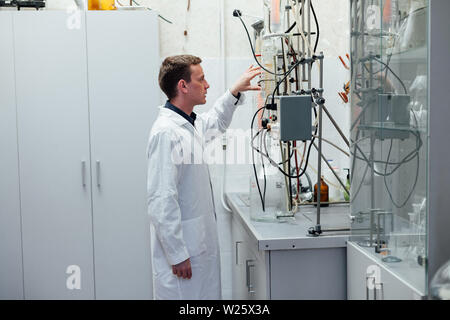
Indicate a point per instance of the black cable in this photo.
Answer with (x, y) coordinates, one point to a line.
(285, 76)
(360, 184)
(264, 169)
(253, 50)
(290, 156)
(413, 187)
(253, 158)
(413, 154)
(393, 73)
(293, 25)
(317, 33)
(406, 159)
(259, 189)
(307, 156)
(317, 29)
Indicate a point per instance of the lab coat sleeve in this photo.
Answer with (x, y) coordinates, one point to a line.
(219, 118)
(162, 195)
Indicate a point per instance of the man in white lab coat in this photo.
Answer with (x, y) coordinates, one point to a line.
(185, 248)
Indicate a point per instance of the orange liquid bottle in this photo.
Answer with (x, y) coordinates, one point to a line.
(323, 193)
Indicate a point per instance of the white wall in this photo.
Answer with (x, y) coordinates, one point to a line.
(203, 23)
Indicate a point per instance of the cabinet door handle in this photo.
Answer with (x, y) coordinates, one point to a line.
(367, 287)
(236, 252)
(83, 173)
(380, 285)
(98, 172)
(248, 265)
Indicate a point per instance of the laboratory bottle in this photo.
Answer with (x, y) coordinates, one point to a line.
(323, 193)
(269, 53)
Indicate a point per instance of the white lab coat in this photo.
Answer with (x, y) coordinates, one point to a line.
(180, 202)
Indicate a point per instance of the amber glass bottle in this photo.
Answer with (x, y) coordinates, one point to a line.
(323, 193)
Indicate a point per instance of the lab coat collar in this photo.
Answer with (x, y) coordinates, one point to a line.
(179, 120)
(191, 118)
(173, 116)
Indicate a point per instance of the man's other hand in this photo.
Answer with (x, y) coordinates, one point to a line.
(243, 83)
(183, 269)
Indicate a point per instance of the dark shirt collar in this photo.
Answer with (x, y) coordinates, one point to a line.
(190, 118)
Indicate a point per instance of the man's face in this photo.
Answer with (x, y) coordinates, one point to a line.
(198, 86)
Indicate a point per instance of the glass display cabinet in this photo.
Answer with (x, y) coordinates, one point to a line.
(391, 107)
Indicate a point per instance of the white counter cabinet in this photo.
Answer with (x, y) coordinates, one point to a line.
(278, 260)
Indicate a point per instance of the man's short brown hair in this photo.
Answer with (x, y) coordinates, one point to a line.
(173, 69)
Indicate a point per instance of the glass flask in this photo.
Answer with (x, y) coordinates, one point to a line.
(269, 52)
(273, 195)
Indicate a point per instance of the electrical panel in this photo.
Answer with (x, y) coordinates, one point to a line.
(295, 118)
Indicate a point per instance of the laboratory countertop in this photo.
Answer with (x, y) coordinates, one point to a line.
(292, 233)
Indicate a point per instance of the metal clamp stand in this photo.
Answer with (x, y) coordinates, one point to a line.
(320, 101)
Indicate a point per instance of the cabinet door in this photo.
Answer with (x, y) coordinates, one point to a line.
(249, 270)
(123, 59)
(391, 287)
(11, 277)
(362, 274)
(53, 134)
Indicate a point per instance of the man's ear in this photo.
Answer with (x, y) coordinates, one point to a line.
(182, 87)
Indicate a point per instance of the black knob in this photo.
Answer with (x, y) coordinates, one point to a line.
(237, 13)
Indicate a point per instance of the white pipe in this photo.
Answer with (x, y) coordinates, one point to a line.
(224, 87)
(224, 179)
(222, 44)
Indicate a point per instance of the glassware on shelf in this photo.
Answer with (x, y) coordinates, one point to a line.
(418, 104)
(413, 30)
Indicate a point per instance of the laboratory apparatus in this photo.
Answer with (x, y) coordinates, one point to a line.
(287, 123)
(390, 146)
